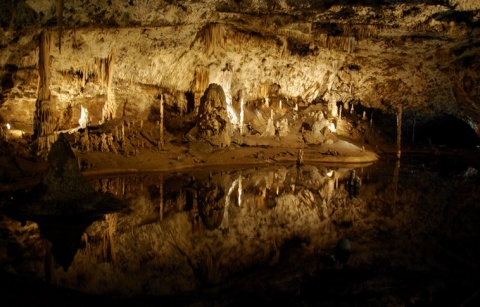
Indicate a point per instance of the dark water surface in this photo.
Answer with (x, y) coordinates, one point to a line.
(266, 234)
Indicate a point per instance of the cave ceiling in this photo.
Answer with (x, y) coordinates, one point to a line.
(419, 54)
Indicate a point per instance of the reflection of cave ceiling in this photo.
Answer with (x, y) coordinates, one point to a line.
(422, 54)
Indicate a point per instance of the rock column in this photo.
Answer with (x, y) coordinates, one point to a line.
(44, 116)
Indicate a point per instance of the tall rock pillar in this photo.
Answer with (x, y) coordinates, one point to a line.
(44, 116)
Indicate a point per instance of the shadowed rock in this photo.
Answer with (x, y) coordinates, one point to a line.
(64, 191)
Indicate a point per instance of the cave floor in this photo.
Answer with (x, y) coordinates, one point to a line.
(23, 172)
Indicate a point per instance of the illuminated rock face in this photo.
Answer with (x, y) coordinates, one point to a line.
(422, 55)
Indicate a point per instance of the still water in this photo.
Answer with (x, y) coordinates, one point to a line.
(412, 230)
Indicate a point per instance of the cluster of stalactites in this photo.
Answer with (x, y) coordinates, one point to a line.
(105, 74)
(105, 70)
(213, 37)
(351, 34)
(359, 31)
(44, 125)
(110, 107)
(102, 246)
(201, 79)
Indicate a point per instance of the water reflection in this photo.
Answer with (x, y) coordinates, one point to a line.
(209, 195)
(190, 229)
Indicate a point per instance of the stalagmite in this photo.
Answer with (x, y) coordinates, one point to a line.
(83, 121)
(399, 131)
(44, 117)
(340, 112)
(300, 157)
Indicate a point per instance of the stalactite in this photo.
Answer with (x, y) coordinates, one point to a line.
(60, 23)
(161, 142)
(105, 76)
(264, 89)
(201, 79)
(242, 110)
(213, 38)
(44, 117)
(200, 83)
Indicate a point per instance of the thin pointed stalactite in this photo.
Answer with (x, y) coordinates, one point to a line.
(242, 110)
(44, 116)
(161, 142)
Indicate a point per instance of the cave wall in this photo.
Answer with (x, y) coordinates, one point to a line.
(422, 55)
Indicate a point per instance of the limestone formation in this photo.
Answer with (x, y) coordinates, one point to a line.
(213, 123)
(381, 55)
(44, 118)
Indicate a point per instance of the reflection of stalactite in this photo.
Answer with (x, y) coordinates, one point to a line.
(44, 116)
(161, 199)
(108, 243)
(213, 37)
(225, 224)
(87, 243)
(399, 131)
(396, 173)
